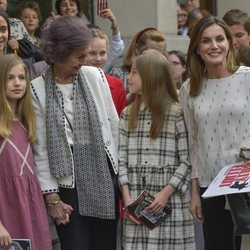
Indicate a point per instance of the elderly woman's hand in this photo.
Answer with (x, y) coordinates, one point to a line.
(60, 213)
(58, 210)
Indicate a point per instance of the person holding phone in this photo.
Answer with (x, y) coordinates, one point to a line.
(116, 47)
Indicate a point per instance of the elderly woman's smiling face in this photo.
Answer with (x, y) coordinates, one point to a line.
(73, 62)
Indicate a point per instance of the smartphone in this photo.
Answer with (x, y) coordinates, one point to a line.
(101, 5)
(182, 2)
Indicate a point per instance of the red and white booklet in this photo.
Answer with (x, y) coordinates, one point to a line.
(231, 179)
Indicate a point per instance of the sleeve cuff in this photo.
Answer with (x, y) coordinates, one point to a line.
(123, 180)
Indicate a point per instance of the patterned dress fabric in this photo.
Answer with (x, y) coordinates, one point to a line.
(161, 161)
(22, 210)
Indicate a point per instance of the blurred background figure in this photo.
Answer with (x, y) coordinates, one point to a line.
(143, 37)
(116, 45)
(17, 29)
(182, 17)
(244, 55)
(194, 16)
(239, 24)
(97, 57)
(189, 5)
(178, 63)
(29, 13)
(4, 32)
(65, 8)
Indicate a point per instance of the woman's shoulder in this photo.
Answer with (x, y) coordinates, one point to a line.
(38, 81)
(183, 93)
(94, 75)
(92, 71)
(243, 70)
(37, 86)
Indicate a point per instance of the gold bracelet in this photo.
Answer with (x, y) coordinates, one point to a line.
(53, 201)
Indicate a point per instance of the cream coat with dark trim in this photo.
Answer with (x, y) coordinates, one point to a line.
(108, 117)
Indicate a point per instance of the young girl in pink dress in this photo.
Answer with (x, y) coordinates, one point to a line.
(22, 210)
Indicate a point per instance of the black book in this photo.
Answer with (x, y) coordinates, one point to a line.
(137, 210)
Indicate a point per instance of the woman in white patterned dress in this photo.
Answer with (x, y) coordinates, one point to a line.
(216, 108)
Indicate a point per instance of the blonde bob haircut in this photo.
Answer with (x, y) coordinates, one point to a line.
(158, 91)
(24, 110)
(195, 63)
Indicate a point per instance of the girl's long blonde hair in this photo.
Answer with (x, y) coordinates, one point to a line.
(24, 109)
(158, 91)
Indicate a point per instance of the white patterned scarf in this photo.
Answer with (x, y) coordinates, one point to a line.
(94, 185)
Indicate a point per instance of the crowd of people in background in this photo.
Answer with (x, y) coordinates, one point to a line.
(81, 136)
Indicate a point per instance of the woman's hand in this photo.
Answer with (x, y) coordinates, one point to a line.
(5, 239)
(60, 213)
(58, 210)
(195, 207)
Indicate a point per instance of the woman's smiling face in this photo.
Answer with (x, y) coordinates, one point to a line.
(213, 46)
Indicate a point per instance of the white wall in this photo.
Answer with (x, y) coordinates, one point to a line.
(134, 15)
(225, 5)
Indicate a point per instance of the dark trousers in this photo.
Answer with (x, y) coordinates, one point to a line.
(85, 233)
(218, 224)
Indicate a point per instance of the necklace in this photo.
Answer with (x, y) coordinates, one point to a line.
(59, 79)
(66, 90)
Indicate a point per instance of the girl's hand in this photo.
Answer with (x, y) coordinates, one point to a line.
(161, 199)
(107, 13)
(195, 207)
(128, 201)
(5, 239)
(159, 203)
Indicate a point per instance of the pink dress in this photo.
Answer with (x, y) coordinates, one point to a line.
(22, 209)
